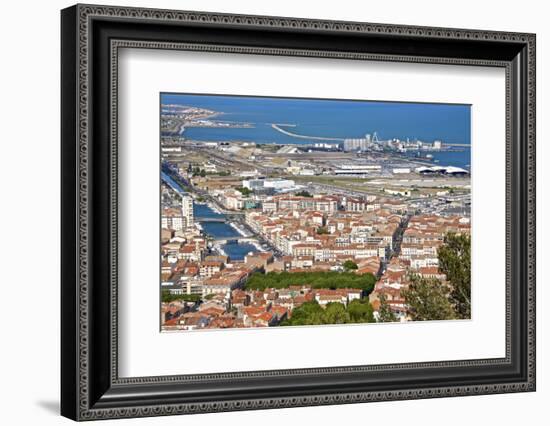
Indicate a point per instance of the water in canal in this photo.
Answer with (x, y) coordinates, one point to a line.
(235, 250)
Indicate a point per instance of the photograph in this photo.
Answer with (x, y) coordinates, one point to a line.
(282, 211)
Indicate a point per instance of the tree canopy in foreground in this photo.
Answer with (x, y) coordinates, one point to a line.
(385, 313)
(455, 262)
(428, 299)
(311, 313)
(432, 299)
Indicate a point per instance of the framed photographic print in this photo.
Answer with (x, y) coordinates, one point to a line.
(263, 212)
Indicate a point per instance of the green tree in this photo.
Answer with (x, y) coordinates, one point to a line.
(304, 194)
(203, 173)
(309, 313)
(322, 230)
(245, 191)
(315, 279)
(360, 310)
(335, 313)
(454, 262)
(349, 265)
(385, 314)
(428, 299)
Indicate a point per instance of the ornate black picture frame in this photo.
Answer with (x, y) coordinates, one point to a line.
(91, 36)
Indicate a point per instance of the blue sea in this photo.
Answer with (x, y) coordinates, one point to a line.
(462, 158)
(327, 118)
(459, 157)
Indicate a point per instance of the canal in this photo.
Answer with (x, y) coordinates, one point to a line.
(235, 250)
(222, 230)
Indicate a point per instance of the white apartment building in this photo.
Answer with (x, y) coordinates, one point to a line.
(173, 218)
(187, 210)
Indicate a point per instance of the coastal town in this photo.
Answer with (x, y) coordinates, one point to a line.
(312, 232)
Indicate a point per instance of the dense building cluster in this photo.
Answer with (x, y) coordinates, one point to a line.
(324, 231)
(422, 237)
(202, 289)
(239, 308)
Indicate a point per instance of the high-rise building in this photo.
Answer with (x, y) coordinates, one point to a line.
(178, 218)
(187, 210)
